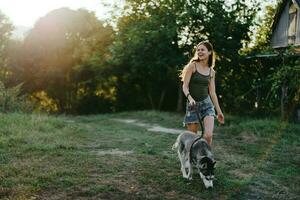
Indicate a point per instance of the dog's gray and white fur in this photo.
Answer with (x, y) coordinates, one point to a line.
(194, 150)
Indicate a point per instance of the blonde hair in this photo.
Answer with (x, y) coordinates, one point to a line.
(211, 58)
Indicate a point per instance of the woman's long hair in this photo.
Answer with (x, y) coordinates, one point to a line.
(211, 58)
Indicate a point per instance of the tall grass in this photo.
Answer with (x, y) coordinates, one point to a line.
(97, 157)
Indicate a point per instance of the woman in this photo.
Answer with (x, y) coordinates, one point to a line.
(198, 79)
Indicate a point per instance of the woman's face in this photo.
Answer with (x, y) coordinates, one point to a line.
(203, 52)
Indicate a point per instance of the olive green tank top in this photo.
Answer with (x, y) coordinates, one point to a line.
(198, 86)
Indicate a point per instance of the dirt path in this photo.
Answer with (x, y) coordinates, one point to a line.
(151, 127)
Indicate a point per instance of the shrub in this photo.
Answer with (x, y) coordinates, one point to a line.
(11, 100)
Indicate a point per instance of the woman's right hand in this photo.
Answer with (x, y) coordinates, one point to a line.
(192, 102)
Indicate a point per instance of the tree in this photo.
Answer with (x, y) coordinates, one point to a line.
(276, 74)
(5, 32)
(286, 82)
(159, 37)
(55, 52)
(146, 55)
(264, 31)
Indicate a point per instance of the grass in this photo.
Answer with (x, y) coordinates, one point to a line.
(96, 157)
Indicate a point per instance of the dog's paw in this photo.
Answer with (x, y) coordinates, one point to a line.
(185, 176)
(190, 178)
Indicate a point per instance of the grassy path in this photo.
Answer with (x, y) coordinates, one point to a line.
(95, 157)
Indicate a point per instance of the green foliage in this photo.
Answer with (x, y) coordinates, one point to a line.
(227, 27)
(11, 100)
(5, 32)
(263, 34)
(288, 75)
(254, 95)
(96, 86)
(286, 81)
(87, 67)
(64, 55)
(146, 55)
(158, 37)
(269, 71)
(272, 82)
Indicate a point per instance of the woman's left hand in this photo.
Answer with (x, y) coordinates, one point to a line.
(220, 117)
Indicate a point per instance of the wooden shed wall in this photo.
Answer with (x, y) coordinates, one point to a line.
(298, 28)
(280, 34)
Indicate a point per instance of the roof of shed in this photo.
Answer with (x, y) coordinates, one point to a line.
(280, 8)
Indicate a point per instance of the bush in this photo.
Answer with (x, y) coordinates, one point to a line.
(11, 100)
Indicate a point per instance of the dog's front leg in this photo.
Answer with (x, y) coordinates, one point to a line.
(186, 169)
(184, 174)
(181, 156)
(190, 171)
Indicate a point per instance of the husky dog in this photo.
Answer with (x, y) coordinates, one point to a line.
(193, 149)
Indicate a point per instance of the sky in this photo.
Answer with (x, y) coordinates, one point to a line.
(27, 12)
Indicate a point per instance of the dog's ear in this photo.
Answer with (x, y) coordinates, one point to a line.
(214, 163)
(211, 161)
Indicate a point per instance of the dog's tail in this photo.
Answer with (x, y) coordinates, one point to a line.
(175, 145)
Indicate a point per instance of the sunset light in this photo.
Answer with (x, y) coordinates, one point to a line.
(149, 99)
(26, 13)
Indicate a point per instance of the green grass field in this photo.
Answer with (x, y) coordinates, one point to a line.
(96, 157)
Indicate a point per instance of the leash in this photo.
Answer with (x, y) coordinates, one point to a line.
(195, 107)
(195, 140)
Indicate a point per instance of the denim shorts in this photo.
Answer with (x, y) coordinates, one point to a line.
(204, 107)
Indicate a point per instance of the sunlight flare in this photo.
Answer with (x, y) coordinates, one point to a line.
(26, 13)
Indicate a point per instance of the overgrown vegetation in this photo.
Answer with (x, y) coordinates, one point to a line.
(91, 67)
(97, 157)
(286, 86)
(87, 67)
(11, 100)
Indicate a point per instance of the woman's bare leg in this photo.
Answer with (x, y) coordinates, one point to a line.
(208, 128)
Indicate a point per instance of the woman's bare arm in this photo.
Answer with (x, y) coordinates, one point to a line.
(186, 82)
(214, 98)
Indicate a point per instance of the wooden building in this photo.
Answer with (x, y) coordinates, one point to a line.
(286, 25)
(285, 33)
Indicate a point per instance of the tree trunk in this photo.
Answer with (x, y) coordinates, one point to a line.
(179, 100)
(151, 101)
(291, 107)
(282, 101)
(162, 97)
